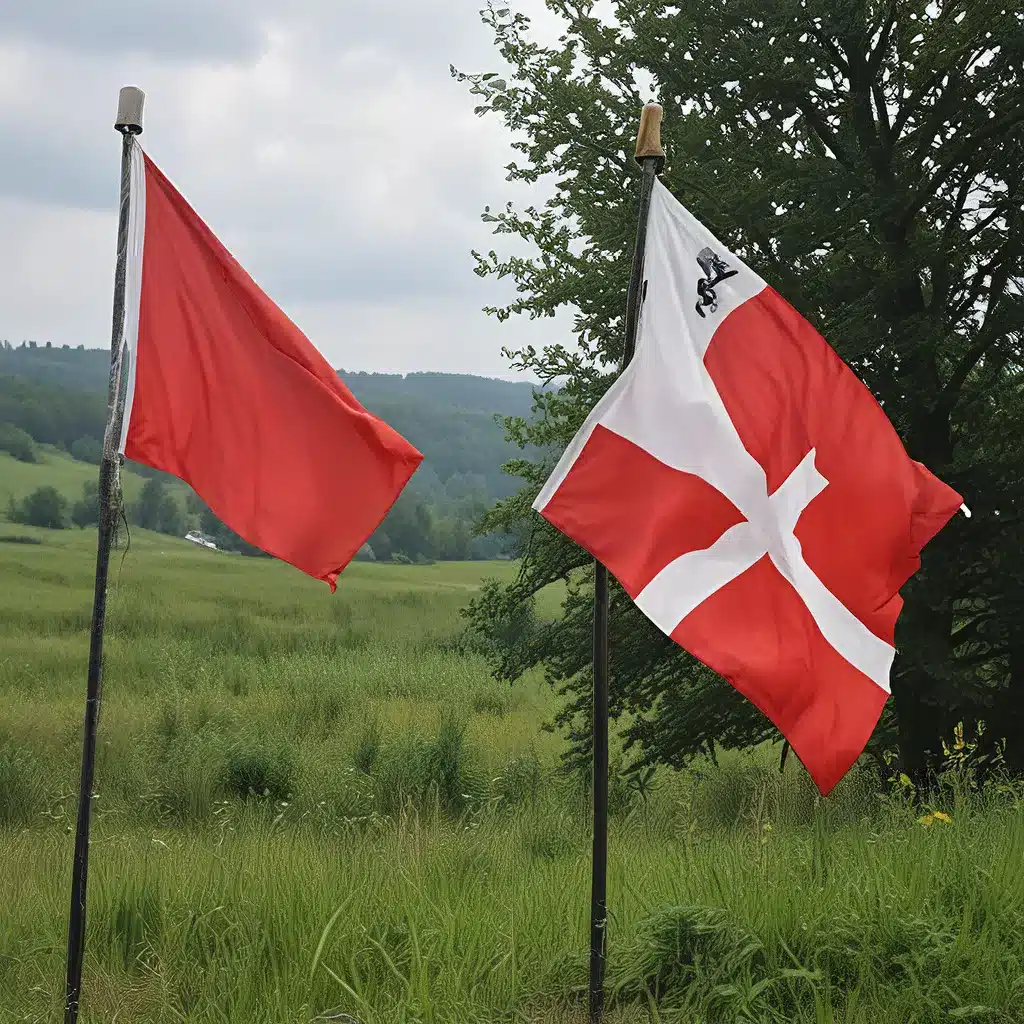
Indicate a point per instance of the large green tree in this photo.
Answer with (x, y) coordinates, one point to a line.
(158, 510)
(867, 158)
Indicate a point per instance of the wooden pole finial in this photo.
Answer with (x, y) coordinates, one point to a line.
(648, 137)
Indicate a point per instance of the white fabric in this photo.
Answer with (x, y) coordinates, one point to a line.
(666, 403)
(133, 281)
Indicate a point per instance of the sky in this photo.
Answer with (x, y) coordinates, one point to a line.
(323, 141)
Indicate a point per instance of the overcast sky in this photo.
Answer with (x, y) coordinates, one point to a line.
(328, 147)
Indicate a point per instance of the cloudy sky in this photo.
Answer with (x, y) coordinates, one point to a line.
(324, 141)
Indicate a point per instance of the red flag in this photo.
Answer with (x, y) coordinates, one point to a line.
(751, 495)
(225, 392)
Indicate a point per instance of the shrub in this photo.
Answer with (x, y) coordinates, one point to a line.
(188, 768)
(447, 764)
(158, 510)
(45, 507)
(441, 772)
(86, 511)
(87, 449)
(678, 946)
(18, 443)
(256, 770)
(506, 628)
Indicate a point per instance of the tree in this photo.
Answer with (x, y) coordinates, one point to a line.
(17, 443)
(158, 510)
(45, 507)
(171, 517)
(866, 157)
(86, 511)
(453, 538)
(87, 449)
(148, 507)
(408, 530)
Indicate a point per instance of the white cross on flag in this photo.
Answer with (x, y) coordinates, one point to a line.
(751, 495)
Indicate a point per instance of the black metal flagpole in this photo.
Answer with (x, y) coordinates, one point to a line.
(651, 158)
(129, 124)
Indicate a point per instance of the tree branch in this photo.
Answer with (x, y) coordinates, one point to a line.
(833, 49)
(823, 133)
(885, 133)
(988, 335)
(971, 144)
(877, 55)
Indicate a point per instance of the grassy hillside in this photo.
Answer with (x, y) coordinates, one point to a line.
(57, 397)
(58, 469)
(311, 805)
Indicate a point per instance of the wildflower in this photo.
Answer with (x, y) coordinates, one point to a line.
(926, 819)
(943, 816)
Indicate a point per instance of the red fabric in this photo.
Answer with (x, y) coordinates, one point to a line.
(786, 392)
(648, 514)
(756, 632)
(231, 397)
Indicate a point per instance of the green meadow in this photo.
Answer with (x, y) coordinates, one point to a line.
(315, 807)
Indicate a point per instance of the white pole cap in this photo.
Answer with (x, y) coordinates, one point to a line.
(130, 102)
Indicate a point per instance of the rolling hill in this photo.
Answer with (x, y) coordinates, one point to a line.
(449, 417)
(57, 397)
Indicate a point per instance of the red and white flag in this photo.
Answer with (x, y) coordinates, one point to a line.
(225, 392)
(751, 495)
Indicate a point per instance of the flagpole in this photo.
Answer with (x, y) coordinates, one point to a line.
(129, 124)
(651, 158)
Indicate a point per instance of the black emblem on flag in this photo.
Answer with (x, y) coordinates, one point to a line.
(715, 271)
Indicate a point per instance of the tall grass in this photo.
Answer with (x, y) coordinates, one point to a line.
(308, 806)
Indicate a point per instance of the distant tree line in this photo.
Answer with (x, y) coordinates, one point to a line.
(54, 396)
(69, 420)
(415, 531)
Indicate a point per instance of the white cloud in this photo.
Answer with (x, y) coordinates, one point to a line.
(50, 288)
(327, 147)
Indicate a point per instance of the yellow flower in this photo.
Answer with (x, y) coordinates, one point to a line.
(943, 816)
(926, 819)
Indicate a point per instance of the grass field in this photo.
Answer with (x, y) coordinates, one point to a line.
(312, 805)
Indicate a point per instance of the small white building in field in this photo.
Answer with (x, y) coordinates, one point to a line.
(197, 538)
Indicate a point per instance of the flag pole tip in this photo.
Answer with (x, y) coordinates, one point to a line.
(648, 137)
(966, 511)
(130, 102)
